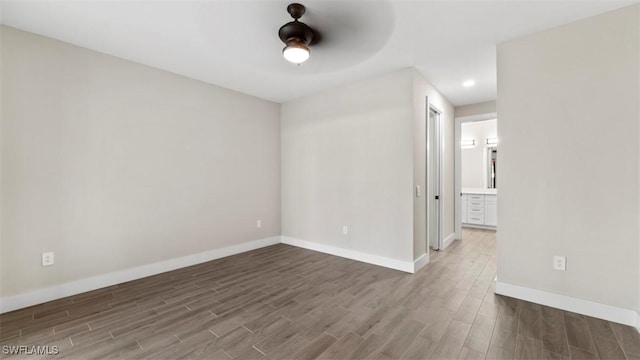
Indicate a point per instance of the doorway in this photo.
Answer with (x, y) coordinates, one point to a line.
(477, 191)
(434, 180)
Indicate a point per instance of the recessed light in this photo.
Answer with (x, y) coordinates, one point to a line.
(469, 83)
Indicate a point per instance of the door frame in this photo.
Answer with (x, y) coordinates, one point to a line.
(458, 166)
(437, 128)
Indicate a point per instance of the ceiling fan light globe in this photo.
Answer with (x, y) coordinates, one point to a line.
(296, 53)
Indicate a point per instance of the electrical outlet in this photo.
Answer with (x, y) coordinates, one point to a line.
(345, 230)
(560, 263)
(259, 224)
(418, 191)
(47, 258)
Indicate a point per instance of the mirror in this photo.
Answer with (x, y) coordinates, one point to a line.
(492, 157)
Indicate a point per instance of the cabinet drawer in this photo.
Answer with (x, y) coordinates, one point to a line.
(490, 199)
(477, 219)
(464, 197)
(475, 210)
(475, 197)
(475, 203)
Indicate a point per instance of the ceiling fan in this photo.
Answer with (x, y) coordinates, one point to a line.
(297, 36)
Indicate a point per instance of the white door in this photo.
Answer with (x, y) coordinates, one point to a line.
(435, 179)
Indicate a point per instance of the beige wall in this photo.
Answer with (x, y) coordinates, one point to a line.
(347, 159)
(423, 90)
(353, 156)
(112, 164)
(476, 109)
(560, 92)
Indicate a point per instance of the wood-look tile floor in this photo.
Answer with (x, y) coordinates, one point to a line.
(283, 302)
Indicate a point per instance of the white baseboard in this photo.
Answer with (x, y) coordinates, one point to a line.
(448, 240)
(580, 306)
(406, 266)
(10, 303)
(484, 227)
(420, 262)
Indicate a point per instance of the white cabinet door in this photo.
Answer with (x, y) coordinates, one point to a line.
(490, 214)
(464, 212)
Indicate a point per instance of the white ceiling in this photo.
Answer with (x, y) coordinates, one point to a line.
(234, 43)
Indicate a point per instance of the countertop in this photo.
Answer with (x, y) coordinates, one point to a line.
(480, 191)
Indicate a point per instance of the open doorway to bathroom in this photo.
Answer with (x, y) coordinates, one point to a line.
(476, 173)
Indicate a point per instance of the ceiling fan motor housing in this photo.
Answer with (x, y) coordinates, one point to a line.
(296, 30)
